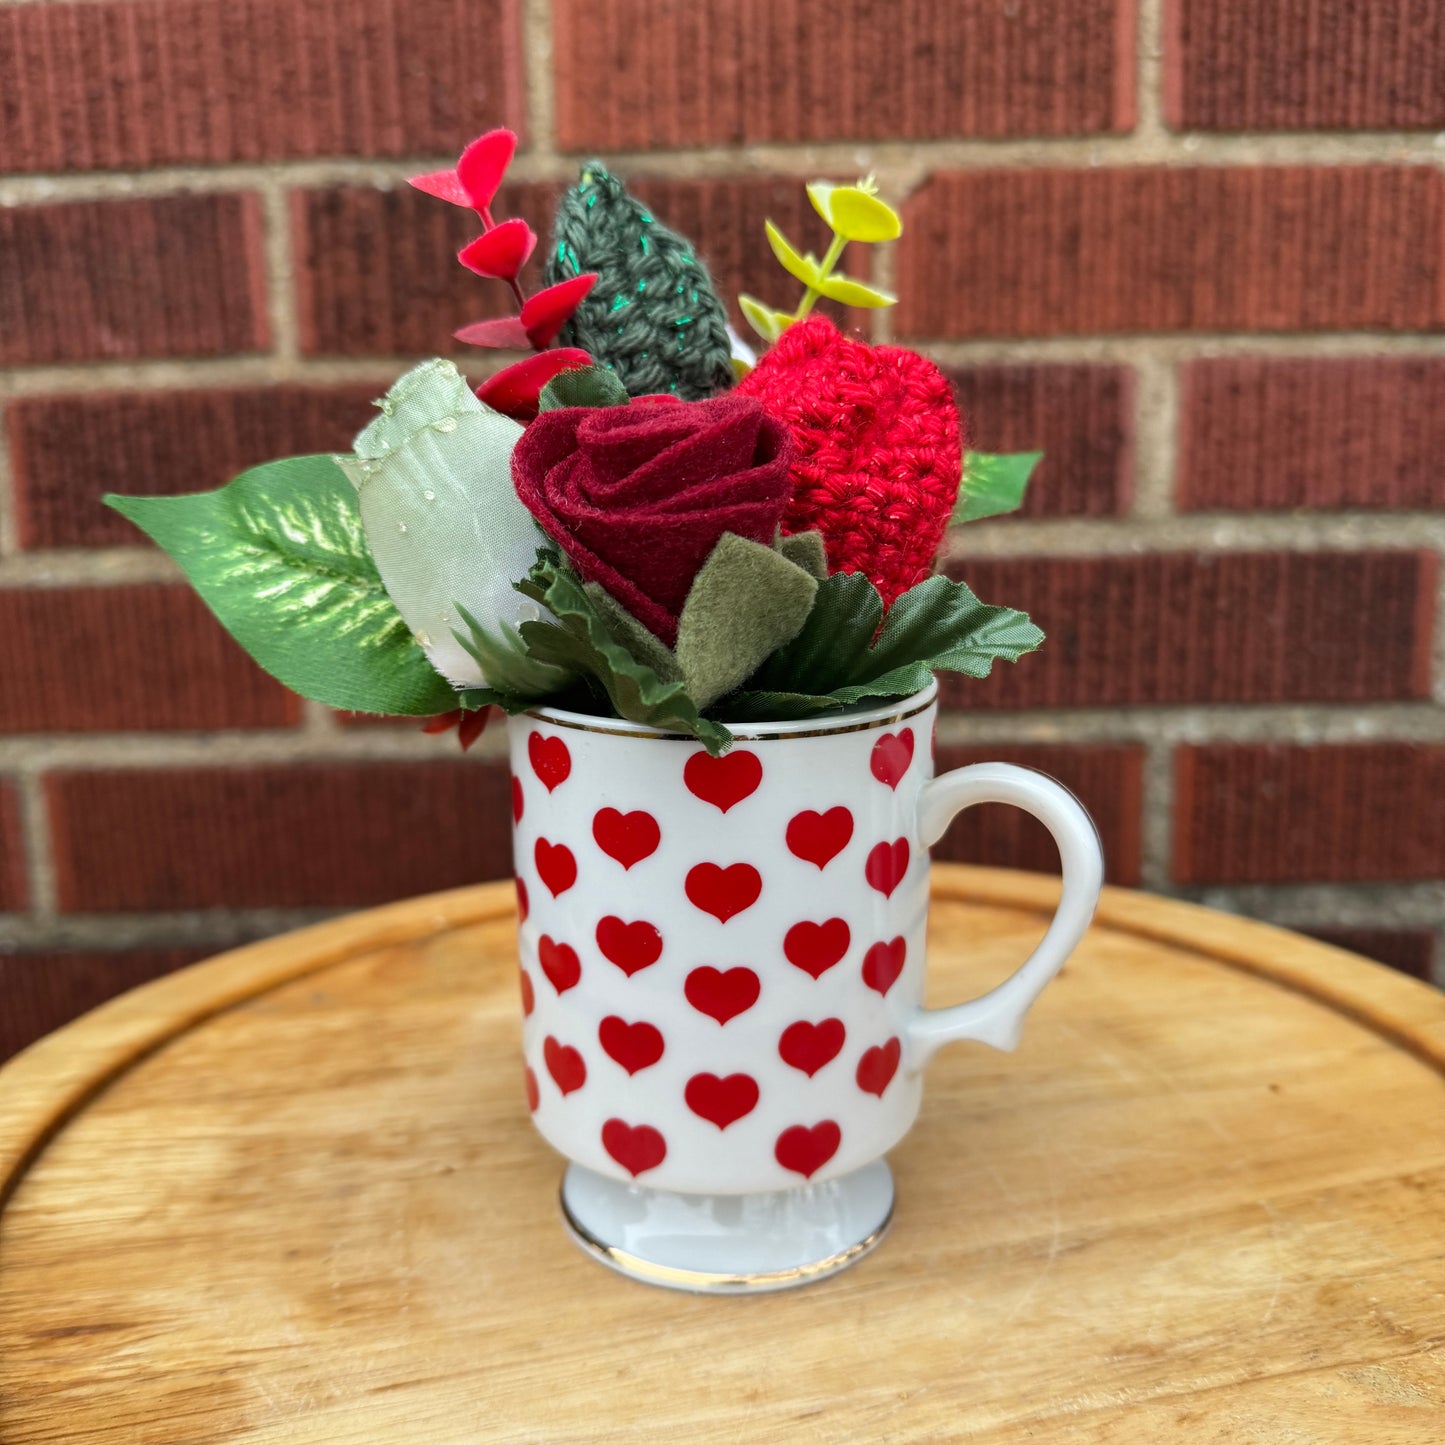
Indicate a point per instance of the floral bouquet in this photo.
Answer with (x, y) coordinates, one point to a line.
(641, 519)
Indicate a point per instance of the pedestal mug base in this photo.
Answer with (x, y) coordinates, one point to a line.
(729, 1243)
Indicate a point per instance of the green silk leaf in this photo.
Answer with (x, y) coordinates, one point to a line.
(580, 641)
(280, 557)
(583, 386)
(858, 215)
(937, 626)
(993, 484)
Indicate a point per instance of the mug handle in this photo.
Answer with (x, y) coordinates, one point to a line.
(997, 1017)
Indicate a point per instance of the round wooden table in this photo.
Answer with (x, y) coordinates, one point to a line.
(292, 1195)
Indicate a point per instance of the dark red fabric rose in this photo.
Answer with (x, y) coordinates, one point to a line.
(637, 496)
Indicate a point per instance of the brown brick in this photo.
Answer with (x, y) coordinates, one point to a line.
(1189, 248)
(1304, 64)
(44, 990)
(1078, 416)
(659, 74)
(1411, 951)
(1354, 812)
(1264, 433)
(378, 274)
(1108, 781)
(151, 277)
(1232, 627)
(14, 892)
(131, 84)
(66, 451)
(332, 835)
(122, 659)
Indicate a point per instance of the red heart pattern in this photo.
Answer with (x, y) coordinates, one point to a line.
(524, 906)
(722, 996)
(631, 946)
(724, 781)
(877, 1067)
(550, 760)
(534, 1094)
(891, 755)
(721, 1101)
(818, 838)
(808, 1047)
(887, 863)
(634, 1046)
(560, 963)
(564, 1064)
(627, 837)
(556, 866)
(529, 996)
(636, 1147)
(723, 892)
(816, 947)
(883, 963)
(805, 1150)
(519, 801)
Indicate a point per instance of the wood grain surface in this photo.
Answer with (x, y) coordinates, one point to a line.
(293, 1195)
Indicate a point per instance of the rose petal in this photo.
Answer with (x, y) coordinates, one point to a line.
(546, 312)
(444, 185)
(501, 252)
(515, 390)
(503, 331)
(483, 164)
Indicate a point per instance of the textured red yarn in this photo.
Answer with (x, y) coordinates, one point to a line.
(877, 449)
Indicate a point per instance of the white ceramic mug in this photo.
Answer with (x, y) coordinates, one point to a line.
(723, 970)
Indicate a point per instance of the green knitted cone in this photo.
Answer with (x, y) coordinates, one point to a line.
(653, 315)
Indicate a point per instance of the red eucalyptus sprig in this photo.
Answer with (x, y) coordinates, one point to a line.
(499, 253)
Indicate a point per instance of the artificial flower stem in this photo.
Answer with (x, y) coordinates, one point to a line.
(489, 224)
(830, 260)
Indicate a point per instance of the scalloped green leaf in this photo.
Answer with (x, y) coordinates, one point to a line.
(801, 268)
(279, 555)
(849, 292)
(993, 484)
(769, 324)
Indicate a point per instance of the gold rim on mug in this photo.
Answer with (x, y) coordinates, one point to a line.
(704, 1281)
(848, 722)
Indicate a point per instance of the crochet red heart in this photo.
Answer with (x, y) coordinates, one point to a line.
(877, 449)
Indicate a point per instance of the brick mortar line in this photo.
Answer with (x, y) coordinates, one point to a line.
(892, 160)
(35, 833)
(1388, 906)
(1149, 127)
(280, 278)
(1155, 436)
(164, 374)
(1156, 727)
(537, 76)
(1346, 904)
(1156, 850)
(1042, 538)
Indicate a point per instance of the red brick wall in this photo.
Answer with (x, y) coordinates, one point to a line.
(1193, 248)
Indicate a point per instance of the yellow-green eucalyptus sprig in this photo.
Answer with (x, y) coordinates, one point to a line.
(853, 213)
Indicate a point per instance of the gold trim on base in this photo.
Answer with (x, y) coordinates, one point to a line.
(705, 1281)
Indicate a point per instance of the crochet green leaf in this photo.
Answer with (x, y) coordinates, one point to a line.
(280, 557)
(937, 626)
(993, 484)
(581, 641)
(652, 315)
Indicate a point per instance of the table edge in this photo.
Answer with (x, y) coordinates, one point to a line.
(47, 1084)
